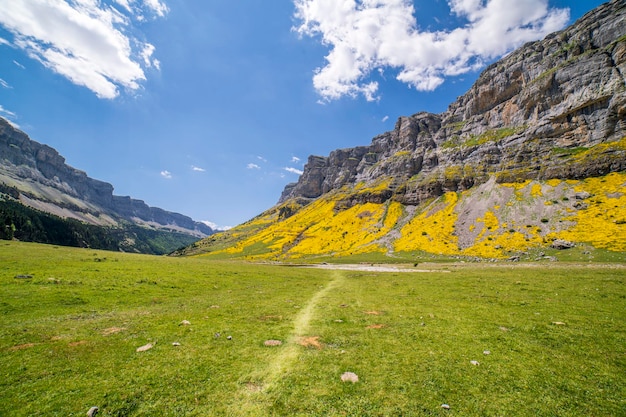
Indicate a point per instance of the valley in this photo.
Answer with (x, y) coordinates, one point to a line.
(485, 339)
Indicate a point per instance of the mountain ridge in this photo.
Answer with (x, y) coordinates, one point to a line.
(532, 154)
(45, 182)
(499, 123)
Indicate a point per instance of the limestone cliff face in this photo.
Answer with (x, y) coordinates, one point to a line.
(555, 108)
(46, 182)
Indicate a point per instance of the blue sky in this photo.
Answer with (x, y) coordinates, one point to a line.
(210, 107)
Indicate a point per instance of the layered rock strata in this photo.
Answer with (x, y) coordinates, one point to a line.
(554, 108)
(47, 183)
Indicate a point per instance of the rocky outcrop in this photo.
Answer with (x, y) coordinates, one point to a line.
(555, 108)
(46, 182)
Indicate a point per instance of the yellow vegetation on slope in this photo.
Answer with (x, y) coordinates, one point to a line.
(333, 225)
(319, 228)
(603, 222)
(348, 231)
(432, 230)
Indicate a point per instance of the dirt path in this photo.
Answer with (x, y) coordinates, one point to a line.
(252, 398)
(371, 268)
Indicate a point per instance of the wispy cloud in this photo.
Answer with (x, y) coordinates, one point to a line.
(4, 84)
(157, 6)
(124, 4)
(19, 65)
(89, 42)
(9, 116)
(371, 35)
(166, 174)
(260, 158)
(253, 166)
(295, 159)
(293, 170)
(385, 119)
(5, 112)
(197, 169)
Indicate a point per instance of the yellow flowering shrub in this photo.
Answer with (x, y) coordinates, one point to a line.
(535, 191)
(394, 212)
(320, 228)
(432, 230)
(331, 226)
(493, 241)
(491, 221)
(603, 222)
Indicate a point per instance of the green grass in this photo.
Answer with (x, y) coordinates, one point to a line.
(59, 355)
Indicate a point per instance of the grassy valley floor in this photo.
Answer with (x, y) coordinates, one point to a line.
(485, 339)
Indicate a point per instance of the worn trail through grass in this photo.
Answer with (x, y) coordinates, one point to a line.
(253, 397)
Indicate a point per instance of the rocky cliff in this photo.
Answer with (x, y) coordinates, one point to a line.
(524, 118)
(47, 183)
(531, 159)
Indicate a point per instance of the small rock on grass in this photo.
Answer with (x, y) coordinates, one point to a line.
(145, 347)
(272, 343)
(92, 411)
(185, 323)
(350, 377)
(486, 352)
(175, 344)
(445, 406)
(475, 363)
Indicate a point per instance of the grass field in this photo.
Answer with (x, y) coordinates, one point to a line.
(555, 335)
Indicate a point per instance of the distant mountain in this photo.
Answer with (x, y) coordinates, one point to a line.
(534, 153)
(38, 177)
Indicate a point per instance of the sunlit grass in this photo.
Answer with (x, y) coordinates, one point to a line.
(555, 332)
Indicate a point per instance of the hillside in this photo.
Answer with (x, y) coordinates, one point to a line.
(52, 192)
(532, 156)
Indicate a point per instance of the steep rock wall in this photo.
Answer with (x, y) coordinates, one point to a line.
(534, 114)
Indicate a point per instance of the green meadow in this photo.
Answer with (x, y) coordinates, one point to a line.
(485, 339)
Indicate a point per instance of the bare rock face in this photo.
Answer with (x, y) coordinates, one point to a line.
(554, 108)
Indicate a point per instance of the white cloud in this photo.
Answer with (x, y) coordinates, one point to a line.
(385, 119)
(197, 169)
(6, 112)
(157, 7)
(87, 41)
(260, 158)
(253, 166)
(146, 54)
(295, 159)
(372, 35)
(215, 226)
(4, 84)
(166, 174)
(210, 224)
(19, 65)
(124, 4)
(9, 116)
(293, 170)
